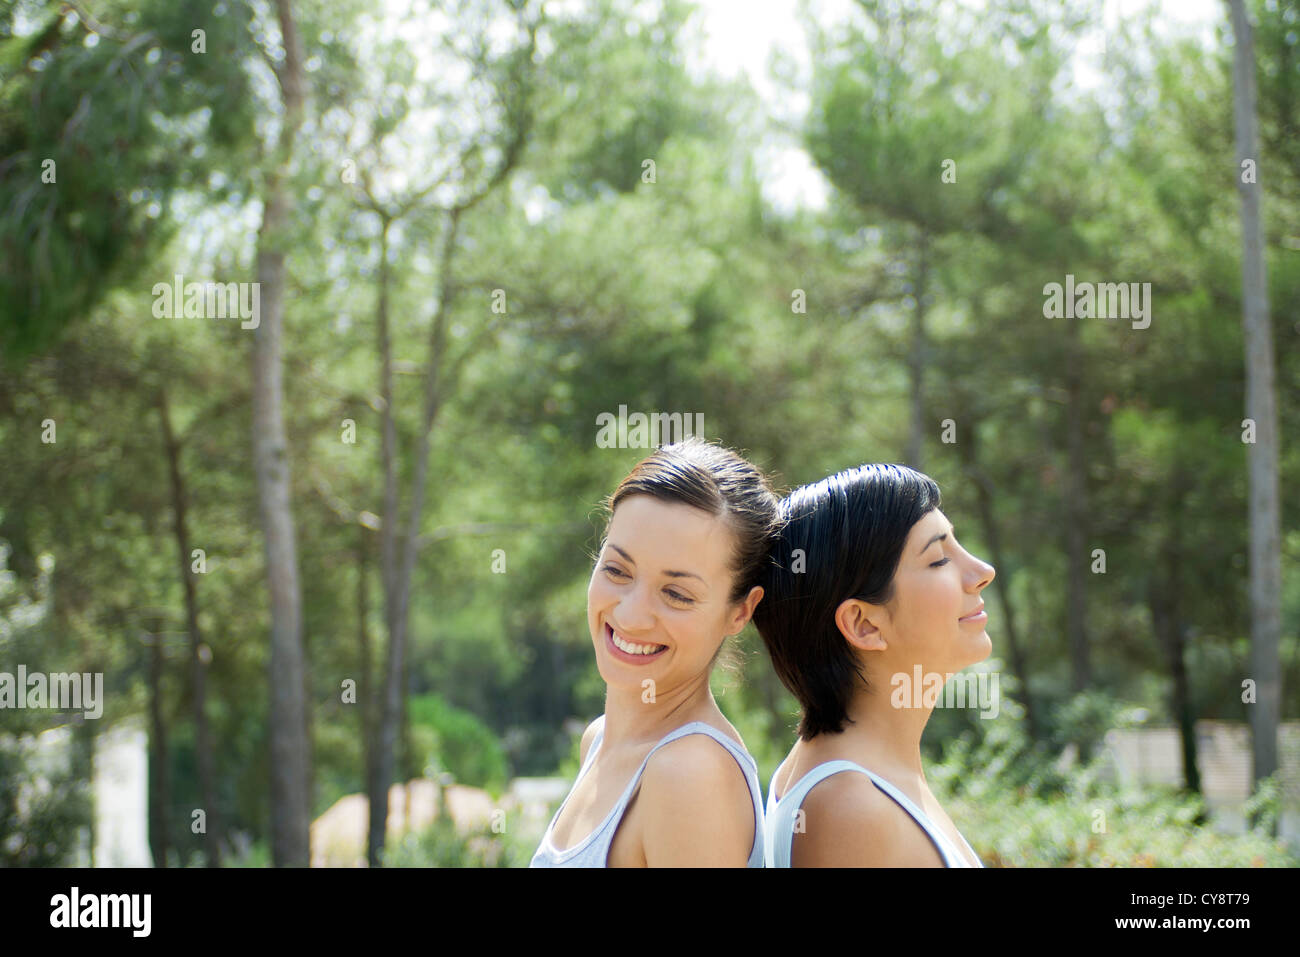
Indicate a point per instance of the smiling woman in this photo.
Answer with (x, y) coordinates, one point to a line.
(665, 779)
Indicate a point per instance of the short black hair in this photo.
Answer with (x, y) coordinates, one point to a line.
(839, 538)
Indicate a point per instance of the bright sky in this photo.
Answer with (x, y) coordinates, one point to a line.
(740, 35)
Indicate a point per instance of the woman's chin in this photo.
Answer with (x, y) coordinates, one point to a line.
(978, 648)
(617, 676)
(609, 672)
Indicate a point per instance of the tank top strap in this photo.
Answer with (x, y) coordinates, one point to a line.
(782, 815)
(748, 767)
(591, 751)
(944, 846)
(702, 727)
(593, 849)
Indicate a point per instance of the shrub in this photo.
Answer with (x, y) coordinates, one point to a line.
(451, 739)
(1019, 807)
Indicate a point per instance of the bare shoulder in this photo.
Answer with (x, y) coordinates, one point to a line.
(849, 822)
(589, 736)
(696, 806)
(697, 757)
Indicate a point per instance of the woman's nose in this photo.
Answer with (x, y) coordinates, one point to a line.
(634, 611)
(981, 572)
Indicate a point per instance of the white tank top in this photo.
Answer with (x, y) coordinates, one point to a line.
(593, 850)
(780, 816)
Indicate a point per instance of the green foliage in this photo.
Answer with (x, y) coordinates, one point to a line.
(1083, 720)
(258, 854)
(42, 812)
(1020, 807)
(1263, 808)
(1153, 828)
(123, 112)
(608, 114)
(448, 738)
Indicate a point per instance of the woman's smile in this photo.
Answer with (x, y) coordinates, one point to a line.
(635, 652)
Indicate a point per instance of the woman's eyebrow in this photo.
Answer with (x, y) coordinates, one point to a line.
(671, 574)
(937, 538)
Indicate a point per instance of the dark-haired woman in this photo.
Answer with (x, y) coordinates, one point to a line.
(867, 590)
(665, 780)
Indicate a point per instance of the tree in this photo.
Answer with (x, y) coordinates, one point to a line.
(1261, 408)
(288, 714)
(508, 76)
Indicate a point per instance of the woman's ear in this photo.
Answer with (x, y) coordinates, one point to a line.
(854, 620)
(745, 610)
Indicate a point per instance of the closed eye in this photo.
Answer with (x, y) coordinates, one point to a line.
(952, 533)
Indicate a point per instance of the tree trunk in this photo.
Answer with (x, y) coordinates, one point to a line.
(1076, 514)
(1262, 457)
(917, 357)
(398, 570)
(159, 791)
(290, 835)
(366, 694)
(84, 746)
(399, 606)
(405, 754)
(198, 669)
(1171, 633)
(378, 774)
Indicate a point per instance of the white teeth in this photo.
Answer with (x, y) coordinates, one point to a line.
(632, 649)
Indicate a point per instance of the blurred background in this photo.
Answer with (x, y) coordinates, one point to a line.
(327, 537)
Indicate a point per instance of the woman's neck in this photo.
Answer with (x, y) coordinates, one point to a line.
(882, 734)
(633, 714)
